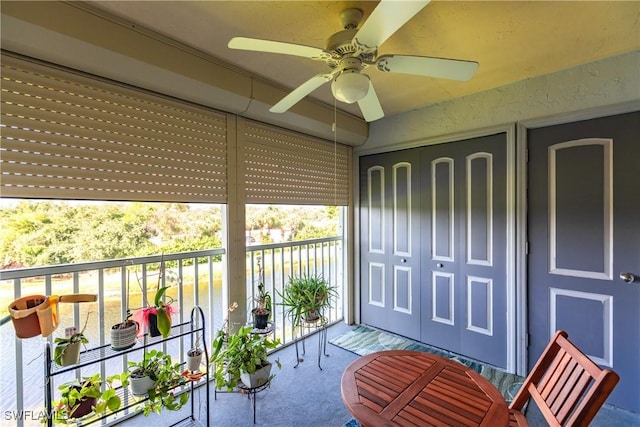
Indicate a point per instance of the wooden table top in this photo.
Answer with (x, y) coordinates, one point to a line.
(413, 388)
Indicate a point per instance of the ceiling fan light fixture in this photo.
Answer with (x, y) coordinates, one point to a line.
(350, 86)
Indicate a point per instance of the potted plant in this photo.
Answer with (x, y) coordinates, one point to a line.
(194, 356)
(80, 398)
(157, 376)
(157, 317)
(243, 359)
(263, 308)
(123, 334)
(144, 374)
(262, 311)
(306, 297)
(67, 350)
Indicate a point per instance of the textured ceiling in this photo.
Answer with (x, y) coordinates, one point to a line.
(512, 40)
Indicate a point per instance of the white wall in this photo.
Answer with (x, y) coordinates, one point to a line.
(607, 82)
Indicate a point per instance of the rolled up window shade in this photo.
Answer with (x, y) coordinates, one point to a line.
(289, 168)
(66, 135)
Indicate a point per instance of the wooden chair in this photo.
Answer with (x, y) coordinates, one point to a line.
(567, 386)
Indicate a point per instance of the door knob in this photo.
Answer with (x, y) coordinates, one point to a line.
(627, 277)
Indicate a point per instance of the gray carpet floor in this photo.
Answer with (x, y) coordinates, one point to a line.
(307, 396)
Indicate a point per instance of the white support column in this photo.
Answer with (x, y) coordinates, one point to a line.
(234, 289)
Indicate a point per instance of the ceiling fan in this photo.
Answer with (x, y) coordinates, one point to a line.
(351, 50)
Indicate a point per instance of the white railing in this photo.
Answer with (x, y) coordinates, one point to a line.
(283, 260)
(194, 278)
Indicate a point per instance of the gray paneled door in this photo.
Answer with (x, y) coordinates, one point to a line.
(464, 252)
(584, 233)
(434, 243)
(390, 246)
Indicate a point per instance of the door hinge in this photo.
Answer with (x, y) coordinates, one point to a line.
(526, 248)
(526, 340)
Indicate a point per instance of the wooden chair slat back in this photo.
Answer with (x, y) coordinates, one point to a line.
(568, 387)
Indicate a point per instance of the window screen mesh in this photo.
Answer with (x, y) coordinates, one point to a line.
(68, 136)
(288, 168)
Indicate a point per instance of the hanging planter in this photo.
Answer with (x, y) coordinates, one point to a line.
(157, 318)
(194, 358)
(38, 314)
(152, 322)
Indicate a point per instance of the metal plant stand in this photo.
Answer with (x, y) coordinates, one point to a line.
(320, 326)
(105, 352)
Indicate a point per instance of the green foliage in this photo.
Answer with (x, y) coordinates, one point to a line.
(263, 299)
(62, 344)
(36, 233)
(160, 368)
(298, 222)
(242, 352)
(73, 393)
(306, 296)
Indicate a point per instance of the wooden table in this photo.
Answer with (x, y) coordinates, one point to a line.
(413, 388)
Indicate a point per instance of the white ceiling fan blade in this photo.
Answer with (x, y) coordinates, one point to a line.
(370, 105)
(259, 45)
(385, 20)
(453, 69)
(300, 92)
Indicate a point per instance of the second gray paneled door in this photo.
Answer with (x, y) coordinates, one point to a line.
(464, 256)
(434, 233)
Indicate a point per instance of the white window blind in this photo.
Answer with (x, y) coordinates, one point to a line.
(288, 168)
(64, 135)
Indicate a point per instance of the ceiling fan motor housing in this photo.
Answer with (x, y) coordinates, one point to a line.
(341, 44)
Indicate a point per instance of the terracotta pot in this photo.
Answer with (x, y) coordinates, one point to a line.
(38, 314)
(24, 315)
